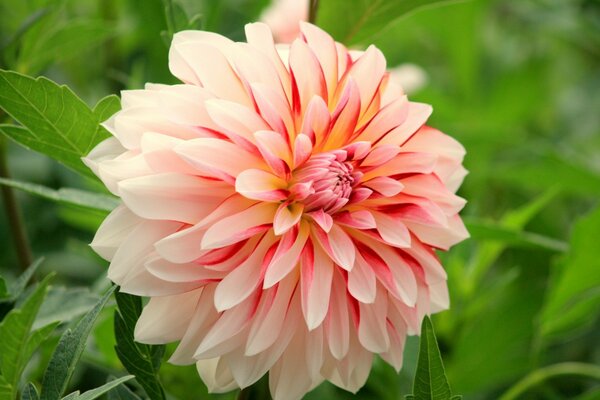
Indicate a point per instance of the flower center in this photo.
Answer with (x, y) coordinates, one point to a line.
(324, 182)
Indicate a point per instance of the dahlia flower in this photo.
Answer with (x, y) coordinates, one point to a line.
(281, 208)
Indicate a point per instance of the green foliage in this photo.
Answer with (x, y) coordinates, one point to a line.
(368, 17)
(574, 295)
(18, 342)
(99, 391)
(515, 82)
(430, 379)
(54, 120)
(141, 360)
(67, 353)
(30, 392)
(122, 392)
(76, 197)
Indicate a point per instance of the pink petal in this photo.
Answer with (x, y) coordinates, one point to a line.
(218, 158)
(260, 185)
(361, 219)
(324, 220)
(240, 226)
(392, 230)
(337, 244)
(275, 150)
(387, 186)
(380, 155)
(307, 76)
(386, 119)
(316, 274)
(323, 46)
(337, 323)
(268, 324)
(418, 113)
(362, 281)
(287, 216)
(113, 231)
(372, 329)
(172, 196)
(316, 121)
(240, 283)
(286, 259)
(302, 149)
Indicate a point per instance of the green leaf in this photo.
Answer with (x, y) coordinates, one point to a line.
(6, 389)
(64, 40)
(141, 360)
(507, 231)
(30, 392)
(77, 197)
(430, 379)
(65, 304)
(37, 337)
(574, 297)
(54, 120)
(14, 331)
(122, 392)
(18, 286)
(365, 18)
(99, 391)
(67, 353)
(487, 230)
(4, 294)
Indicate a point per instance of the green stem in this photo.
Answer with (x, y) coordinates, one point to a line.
(13, 212)
(313, 6)
(169, 17)
(552, 371)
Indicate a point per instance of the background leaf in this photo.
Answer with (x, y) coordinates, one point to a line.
(67, 353)
(365, 18)
(430, 379)
(76, 197)
(141, 360)
(55, 121)
(575, 294)
(14, 331)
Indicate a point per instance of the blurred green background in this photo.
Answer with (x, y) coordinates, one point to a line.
(517, 82)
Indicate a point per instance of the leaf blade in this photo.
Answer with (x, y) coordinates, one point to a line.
(54, 120)
(67, 353)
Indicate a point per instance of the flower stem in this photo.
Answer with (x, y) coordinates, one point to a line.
(13, 212)
(313, 6)
(542, 374)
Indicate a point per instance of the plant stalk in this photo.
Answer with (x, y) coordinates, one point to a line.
(13, 212)
(552, 371)
(313, 6)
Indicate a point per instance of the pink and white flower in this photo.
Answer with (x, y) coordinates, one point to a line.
(281, 208)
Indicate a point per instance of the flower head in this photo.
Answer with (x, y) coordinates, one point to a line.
(280, 208)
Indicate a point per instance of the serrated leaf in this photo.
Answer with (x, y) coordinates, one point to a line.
(121, 392)
(54, 120)
(65, 304)
(30, 392)
(141, 360)
(364, 18)
(575, 295)
(430, 379)
(70, 196)
(67, 353)
(99, 391)
(14, 331)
